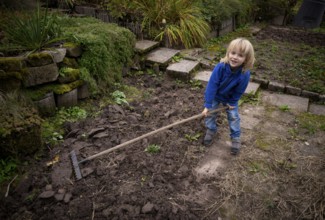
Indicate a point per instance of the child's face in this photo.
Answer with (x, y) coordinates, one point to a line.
(236, 58)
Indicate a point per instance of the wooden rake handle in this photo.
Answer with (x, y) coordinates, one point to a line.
(150, 133)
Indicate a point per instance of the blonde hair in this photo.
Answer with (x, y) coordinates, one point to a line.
(246, 48)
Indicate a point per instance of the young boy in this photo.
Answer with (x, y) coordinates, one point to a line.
(226, 85)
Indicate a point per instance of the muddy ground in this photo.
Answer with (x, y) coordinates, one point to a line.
(279, 174)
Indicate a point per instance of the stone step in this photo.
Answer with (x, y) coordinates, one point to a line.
(182, 69)
(317, 109)
(144, 46)
(204, 76)
(161, 56)
(296, 103)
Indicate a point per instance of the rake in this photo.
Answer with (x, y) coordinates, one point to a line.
(76, 163)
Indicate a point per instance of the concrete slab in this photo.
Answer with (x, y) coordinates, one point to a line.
(143, 46)
(182, 69)
(252, 88)
(251, 116)
(203, 75)
(317, 109)
(296, 103)
(161, 55)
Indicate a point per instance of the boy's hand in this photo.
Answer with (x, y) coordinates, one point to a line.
(205, 112)
(231, 107)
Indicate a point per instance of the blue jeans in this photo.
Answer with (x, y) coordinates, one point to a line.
(233, 120)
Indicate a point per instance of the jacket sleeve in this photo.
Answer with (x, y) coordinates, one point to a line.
(240, 89)
(213, 85)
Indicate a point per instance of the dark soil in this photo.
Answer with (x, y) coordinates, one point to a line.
(131, 183)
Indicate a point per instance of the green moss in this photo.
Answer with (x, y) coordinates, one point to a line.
(70, 45)
(40, 55)
(10, 64)
(6, 75)
(69, 62)
(39, 92)
(68, 74)
(106, 48)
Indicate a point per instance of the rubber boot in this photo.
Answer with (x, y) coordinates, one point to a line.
(208, 137)
(235, 146)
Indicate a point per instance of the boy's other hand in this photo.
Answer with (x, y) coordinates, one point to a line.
(231, 107)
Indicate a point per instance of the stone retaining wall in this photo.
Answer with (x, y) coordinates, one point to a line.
(38, 75)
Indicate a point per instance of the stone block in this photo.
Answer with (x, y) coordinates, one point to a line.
(42, 58)
(83, 91)
(322, 98)
(275, 86)
(68, 99)
(46, 106)
(293, 90)
(9, 81)
(39, 75)
(12, 64)
(312, 95)
(74, 51)
(264, 83)
(58, 54)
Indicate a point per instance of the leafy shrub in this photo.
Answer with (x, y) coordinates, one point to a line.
(216, 11)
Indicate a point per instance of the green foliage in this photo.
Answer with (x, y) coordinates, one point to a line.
(266, 10)
(17, 113)
(311, 123)
(106, 49)
(52, 132)
(193, 137)
(152, 149)
(284, 108)
(181, 21)
(8, 168)
(34, 32)
(216, 11)
(119, 97)
(196, 84)
(249, 98)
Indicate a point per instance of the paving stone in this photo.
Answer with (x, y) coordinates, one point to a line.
(161, 55)
(182, 69)
(203, 75)
(143, 46)
(317, 109)
(252, 88)
(297, 103)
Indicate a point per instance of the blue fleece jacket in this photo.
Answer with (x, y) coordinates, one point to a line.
(226, 86)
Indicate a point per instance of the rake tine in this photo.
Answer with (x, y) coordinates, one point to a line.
(75, 165)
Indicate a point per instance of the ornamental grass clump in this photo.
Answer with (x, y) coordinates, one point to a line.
(32, 32)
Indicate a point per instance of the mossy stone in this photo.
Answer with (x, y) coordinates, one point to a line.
(39, 92)
(12, 64)
(68, 75)
(39, 59)
(69, 62)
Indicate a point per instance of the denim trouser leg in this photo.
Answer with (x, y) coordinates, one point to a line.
(210, 121)
(234, 123)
